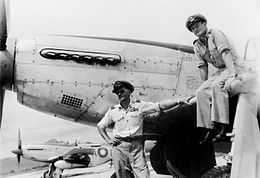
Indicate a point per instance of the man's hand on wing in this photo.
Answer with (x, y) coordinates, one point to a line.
(187, 100)
(232, 79)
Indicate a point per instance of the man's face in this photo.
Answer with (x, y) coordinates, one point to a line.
(199, 29)
(123, 94)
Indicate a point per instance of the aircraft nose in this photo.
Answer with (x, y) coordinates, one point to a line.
(17, 152)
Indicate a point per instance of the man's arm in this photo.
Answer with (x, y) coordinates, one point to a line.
(102, 131)
(167, 104)
(202, 64)
(224, 47)
(164, 105)
(103, 125)
(227, 57)
(203, 72)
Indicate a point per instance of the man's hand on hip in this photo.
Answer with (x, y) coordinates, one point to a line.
(114, 141)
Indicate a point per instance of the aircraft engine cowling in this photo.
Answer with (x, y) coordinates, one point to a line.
(62, 164)
(81, 156)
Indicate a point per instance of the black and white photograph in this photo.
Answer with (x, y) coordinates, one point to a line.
(129, 89)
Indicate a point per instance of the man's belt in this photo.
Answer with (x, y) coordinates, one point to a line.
(221, 66)
(131, 138)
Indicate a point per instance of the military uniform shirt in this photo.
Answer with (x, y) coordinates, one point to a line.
(127, 122)
(211, 50)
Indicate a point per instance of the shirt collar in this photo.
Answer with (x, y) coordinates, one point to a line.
(204, 40)
(129, 106)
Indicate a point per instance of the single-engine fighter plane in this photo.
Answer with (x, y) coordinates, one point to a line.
(72, 77)
(61, 155)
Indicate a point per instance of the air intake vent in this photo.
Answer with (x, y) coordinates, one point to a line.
(71, 101)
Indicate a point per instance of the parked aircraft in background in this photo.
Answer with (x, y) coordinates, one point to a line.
(63, 155)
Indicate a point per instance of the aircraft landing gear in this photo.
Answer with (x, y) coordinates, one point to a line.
(129, 175)
(50, 172)
(57, 173)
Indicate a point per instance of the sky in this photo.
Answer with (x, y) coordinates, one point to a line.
(138, 19)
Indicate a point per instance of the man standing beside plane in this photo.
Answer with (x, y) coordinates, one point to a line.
(212, 46)
(127, 120)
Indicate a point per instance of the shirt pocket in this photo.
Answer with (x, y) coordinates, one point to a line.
(213, 54)
(117, 117)
(134, 113)
(213, 49)
(216, 58)
(134, 117)
(201, 50)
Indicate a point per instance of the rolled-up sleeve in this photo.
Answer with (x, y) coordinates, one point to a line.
(149, 108)
(221, 41)
(106, 120)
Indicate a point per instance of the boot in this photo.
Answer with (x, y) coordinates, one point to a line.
(216, 134)
(220, 132)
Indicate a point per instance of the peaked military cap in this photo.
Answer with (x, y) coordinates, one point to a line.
(194, 19)
(120, 84)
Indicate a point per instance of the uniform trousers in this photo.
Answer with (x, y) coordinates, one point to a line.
(212, 100)
(129, 156)
(212, 96)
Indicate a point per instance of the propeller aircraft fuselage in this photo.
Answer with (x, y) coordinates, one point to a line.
(42, 152)
(46, 153)
(72, 76)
